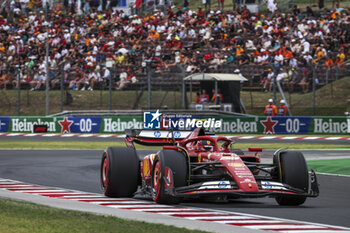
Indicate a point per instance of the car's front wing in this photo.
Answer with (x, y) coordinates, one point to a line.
(231, 189)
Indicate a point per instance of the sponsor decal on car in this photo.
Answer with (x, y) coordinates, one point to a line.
(216, 185)
(222, 185)
(235, 164)
(157, 134)
(177, 134)
(272, 185)
(145, 168)
(247, 180)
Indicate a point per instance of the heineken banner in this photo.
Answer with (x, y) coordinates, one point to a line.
(224, 124)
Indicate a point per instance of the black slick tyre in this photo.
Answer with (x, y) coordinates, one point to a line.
(165, 161)
(119, 172)
(292, 170)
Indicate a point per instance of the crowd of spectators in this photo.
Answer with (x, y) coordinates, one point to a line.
(82, 47)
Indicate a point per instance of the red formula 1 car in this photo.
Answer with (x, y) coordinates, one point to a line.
(193, 164)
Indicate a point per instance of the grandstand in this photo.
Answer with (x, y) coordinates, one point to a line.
(168, 45)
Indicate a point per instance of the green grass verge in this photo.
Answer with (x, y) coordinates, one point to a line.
(20, 217)
(102, 145)
(332, 166)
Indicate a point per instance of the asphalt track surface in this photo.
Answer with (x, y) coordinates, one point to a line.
(96, 139)
(79, 170)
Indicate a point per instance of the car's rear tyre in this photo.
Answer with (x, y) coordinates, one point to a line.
(119, 172)
(169, 171)
(292, 170)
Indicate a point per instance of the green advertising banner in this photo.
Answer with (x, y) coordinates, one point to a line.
(26, 124)
(330, 125)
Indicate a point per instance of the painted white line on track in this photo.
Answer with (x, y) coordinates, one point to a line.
(134, 206)
(329, 174)
(247, 221)
(38, 191)
(312, 138)
(56, 194)
(28, 188)
(177, 210)
(77, 197)
(68, 135)
(97, 198)
(13, 134)
(111, 202)
(282, 226)
(333, 138)
(105, 135)
(289, 138)
(221, 217)
(16, 186)
(314, 231)
(189, 213)
(86, 135)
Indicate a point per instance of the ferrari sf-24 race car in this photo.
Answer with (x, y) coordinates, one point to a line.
(193, 164)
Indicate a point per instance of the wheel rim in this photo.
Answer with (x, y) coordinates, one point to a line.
(104, 171)
(156, 180)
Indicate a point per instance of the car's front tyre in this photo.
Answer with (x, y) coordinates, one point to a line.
(169, 171)
(292, 170)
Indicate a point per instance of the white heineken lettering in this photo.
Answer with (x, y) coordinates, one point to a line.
(348, 125)
(239, 126)
(321, 126)
(120, 126)
(25, 126)
(317, 125)
(108, 125)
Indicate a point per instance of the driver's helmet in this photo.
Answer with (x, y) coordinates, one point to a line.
(204, 145)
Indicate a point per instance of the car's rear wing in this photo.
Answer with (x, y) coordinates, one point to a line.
(154, 137)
